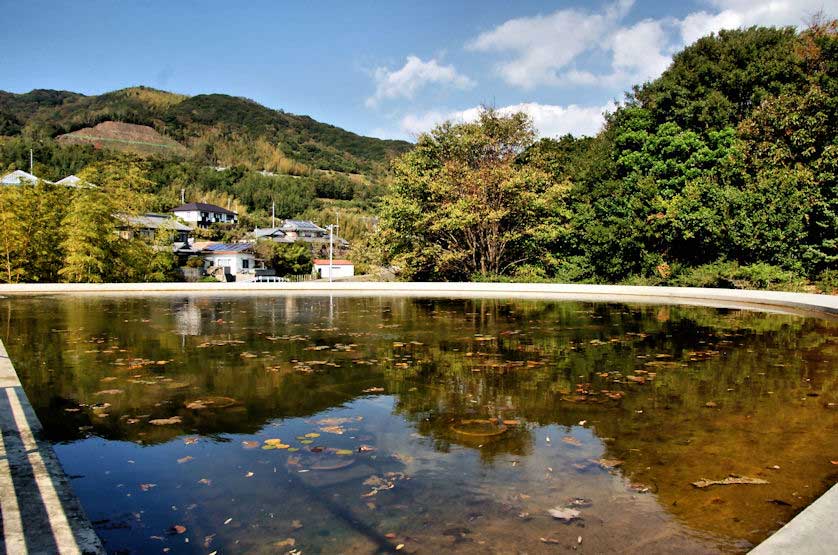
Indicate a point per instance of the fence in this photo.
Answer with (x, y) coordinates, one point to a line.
(302, 277)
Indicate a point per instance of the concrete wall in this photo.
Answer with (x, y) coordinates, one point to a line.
(800, 303)
(337, 271)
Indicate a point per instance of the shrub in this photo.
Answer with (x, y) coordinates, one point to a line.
(195, 262)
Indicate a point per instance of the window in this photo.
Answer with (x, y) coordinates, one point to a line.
(245, 264)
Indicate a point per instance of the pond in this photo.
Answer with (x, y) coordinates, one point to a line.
(291, 424)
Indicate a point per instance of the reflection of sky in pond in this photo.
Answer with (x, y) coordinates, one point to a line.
(269, 424)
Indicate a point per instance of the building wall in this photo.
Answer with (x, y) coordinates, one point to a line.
(194, 216)
(338, 270)
(234, 261)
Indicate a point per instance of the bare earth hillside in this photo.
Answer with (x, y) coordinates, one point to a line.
(129, 137)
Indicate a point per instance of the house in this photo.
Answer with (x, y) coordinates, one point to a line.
(237, 259)
(272, 233)
(300, 230)
(338, 269)
(19, 177)
(303, 230)
(148, 226)
(203, 215)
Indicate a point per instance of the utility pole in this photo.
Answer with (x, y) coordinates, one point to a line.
(31, 160)
(331, 229)
(273, 214)
(183, 196)
(331, 249)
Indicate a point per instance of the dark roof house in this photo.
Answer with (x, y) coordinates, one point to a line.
(203, 207)
(203, 215)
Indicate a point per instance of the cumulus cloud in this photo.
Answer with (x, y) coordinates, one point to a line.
(542, 46)
(556, 49)
(549, 119)
(412, 76)
(639, 50)
(732, 14)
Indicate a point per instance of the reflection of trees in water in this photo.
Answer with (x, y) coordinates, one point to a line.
(539, 355)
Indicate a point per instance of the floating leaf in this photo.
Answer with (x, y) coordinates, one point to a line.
(565, 514)
(109, 392)
(730, 480)
(165, 421)
(185, 459)
(312, 434)
(343, 452)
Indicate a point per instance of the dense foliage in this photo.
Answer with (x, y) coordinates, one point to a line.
(53, 233)
(287, 259)
(724, 171)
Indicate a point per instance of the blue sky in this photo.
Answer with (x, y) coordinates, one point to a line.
(388, 69)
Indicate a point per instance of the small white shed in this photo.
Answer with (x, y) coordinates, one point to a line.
(338, 269)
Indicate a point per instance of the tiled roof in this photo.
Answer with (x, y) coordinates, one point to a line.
(155, 221)
(228, 247)
(335, 262)
(268, 232)
(203, 207)
(301, 225)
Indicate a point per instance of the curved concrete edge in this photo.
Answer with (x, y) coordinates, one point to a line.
(824, 305)
(812, 531)
(40, 511)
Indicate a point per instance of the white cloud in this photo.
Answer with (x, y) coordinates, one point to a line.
(415, 74)
(549, 119)
(639, 50)
(553, 49)
(733, 14)
(541, 46)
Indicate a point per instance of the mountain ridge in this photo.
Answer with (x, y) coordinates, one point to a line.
(215, 128)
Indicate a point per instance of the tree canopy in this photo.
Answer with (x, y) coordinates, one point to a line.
(728, 160)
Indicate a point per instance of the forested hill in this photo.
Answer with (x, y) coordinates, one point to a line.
(217, 129)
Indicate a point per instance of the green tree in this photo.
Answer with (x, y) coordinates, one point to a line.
(287, 259)
(88, 245)
(461, 204)
(12, 238)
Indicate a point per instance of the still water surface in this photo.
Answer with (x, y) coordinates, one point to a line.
(277, 424)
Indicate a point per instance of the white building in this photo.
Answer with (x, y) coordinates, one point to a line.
(237, 259)
(19, 177)
(204, 215)
(339, 268)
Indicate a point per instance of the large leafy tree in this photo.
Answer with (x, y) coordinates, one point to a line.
(790, 155)
(721, 78)
(287, 259)
(462, 204)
